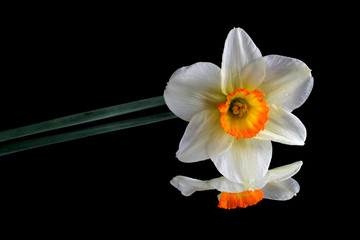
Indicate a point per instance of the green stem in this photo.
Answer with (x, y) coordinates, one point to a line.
(22, 145)
(81, 118)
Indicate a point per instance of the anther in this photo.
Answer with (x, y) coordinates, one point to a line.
(239, 109)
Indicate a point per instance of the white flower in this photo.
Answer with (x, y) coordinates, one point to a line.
(277, 184)
(235, 111)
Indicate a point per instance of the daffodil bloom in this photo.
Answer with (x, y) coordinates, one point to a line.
(276, 184)
(234, 112)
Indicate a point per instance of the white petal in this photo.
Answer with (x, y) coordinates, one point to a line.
(222, 184)
(203, 138)
(284, 172)
(281, 190)
(246, 160)
(288, 82)
(188, 186)
(283, 127)
(242, 63)
(193, 89)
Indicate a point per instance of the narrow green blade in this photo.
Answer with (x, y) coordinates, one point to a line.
(22, 145)
(81, 118)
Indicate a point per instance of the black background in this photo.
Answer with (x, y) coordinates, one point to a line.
(60, 60)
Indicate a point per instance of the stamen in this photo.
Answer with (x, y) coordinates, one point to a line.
(239, 108)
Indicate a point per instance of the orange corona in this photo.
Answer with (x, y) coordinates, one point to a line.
(242, 199)
(244, 114)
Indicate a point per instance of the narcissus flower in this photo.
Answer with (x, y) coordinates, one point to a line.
(234, 112)
(277, 184)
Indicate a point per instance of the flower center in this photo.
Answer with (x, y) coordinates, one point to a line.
(242, 199)
(239, 107)
(244, 114)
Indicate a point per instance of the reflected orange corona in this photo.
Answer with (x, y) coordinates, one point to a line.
(242, 199)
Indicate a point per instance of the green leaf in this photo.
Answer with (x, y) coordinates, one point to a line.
(22, 145)
(81, 118)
